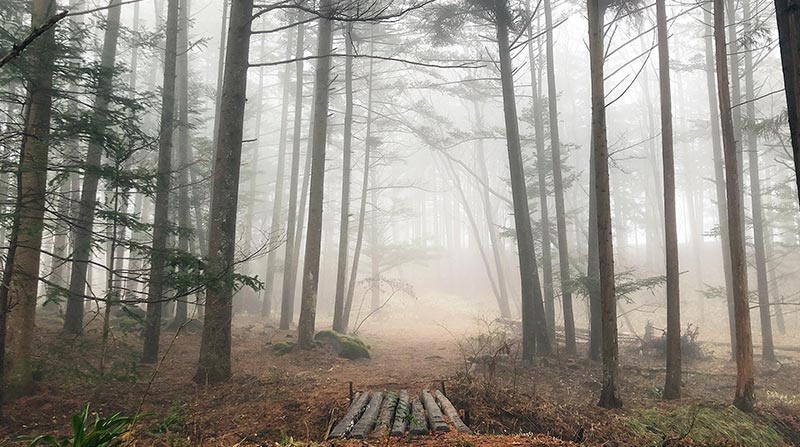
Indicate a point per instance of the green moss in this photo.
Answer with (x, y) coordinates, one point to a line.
(346, 346)
(703, 425)
(282, 348)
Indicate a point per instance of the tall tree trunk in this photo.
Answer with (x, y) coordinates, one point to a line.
(609, 396)
(344, 216)
(672, 386)
(308, 304)
(155, 293)
(593, 270)
(534, 326)
(787, 13)
(277, 202)
(184, 141)
(375, 245)
(220, 75)
(18, 290)
(502, 288)
(541, 168)
(719, 179)
(83, 234)
(762, 284)
(744, 344)
(351, 285)
(214, 365)
(558, 186)
(290, 261)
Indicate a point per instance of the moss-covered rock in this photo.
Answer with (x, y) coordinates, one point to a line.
(345, 346)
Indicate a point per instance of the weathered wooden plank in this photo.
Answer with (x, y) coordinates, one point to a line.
(367, 421)
(418, 425)
(451, 412)
(353, 413)
(401, 415)
(384, 423)
(435, 417)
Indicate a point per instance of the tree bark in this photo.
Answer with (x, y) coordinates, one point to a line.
(152, 327)
(609, 396)
(214, 365)
(83, 234)
(308, 303)
(534, 326)
(344, 217)
(18, 290)
(744, 345)
(787, 13)
(672, 386)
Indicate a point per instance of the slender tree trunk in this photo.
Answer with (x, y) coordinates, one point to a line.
(672, 386)
(558, 186)
(351, 286)
(502, 288)
(762, 284)
(290, 261)
(375, 246)
(184, 141)
(277, 203)
(593, 271)
(308, 304)
(155, 293)
(83, 233)
(220, 74)
(214, 365)
(609, 396)
(18, 290)
(744, 345)
(719, 180)
(534, 326)
(541, 168)
(344, 217)
(787, 13)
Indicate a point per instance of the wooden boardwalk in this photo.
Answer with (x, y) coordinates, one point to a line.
(378, 414)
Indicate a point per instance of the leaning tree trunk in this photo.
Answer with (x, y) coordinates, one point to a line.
(18, 290)
(534, 326)
(344, 216)
(558, 186)
(351, 285)
(787, 13)
(83, 235)
(609, 396)
(214, 365)
(308, 303)
(759, 244)
(719, 179)
(289, 261)
(541, 168)
(672, 386)
(155, 299)
(744, 344)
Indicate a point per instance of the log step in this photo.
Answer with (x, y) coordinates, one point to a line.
(451, 412)
(435, 417)
(418, 425)
(367, 421)
(401, 415)
(384, 423)
(349, 420)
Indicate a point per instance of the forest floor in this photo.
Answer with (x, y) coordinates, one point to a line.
(294, 399)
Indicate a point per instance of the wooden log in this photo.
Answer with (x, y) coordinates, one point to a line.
(384, 423)
(401, 415)
(367, 421)
(451, 412)
(418, 425)
(353, 413)
(435, 417)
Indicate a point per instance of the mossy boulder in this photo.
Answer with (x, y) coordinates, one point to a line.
(345, 346)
